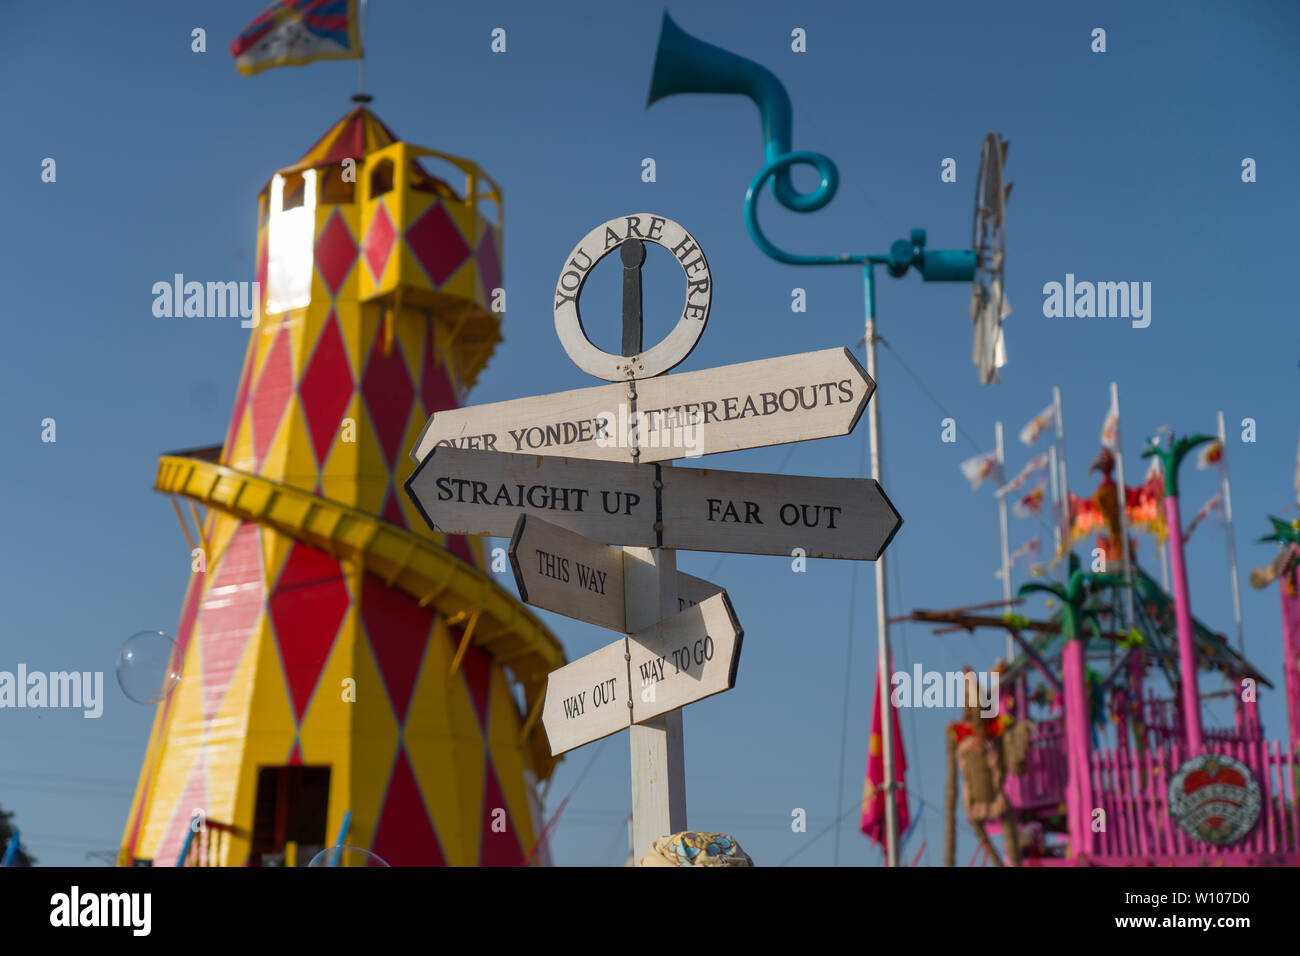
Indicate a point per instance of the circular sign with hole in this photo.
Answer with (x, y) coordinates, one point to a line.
(628, 234)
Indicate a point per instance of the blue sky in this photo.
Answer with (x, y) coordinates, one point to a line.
(1127, 167)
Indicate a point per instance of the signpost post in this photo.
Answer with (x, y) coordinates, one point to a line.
(570, 474)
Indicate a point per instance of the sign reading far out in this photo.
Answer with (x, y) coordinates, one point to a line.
(483, 492)
(687, 657)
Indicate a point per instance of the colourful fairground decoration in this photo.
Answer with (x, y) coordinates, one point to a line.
(450, 568)
(1098, 754)
(1214, 798)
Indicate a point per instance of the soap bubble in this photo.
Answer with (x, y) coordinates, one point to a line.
(148, 667)
(347, 856)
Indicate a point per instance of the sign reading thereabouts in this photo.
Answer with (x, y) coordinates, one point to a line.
(769, 402)
(1214, 798)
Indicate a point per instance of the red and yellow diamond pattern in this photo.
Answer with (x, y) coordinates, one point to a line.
(296, 654)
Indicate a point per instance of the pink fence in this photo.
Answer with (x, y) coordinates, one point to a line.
(1043, 782)
(1133, 792)
(1164, 725)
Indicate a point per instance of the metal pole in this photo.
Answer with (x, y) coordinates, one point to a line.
(1232, 549)
(1056, 495)
(1002, 522)
(1065, 484)
(1123, 510)
(361, 35)
(882, 608)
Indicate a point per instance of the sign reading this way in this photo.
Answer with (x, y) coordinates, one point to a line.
(687, 657)
(570, 574)
(484, 492)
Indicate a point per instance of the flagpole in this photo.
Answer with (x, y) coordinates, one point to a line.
(1002, 522)
(1056, 496)
(1065, 484)
(1123, 509)
(361, 96)
(882, 607)
(1227, 517)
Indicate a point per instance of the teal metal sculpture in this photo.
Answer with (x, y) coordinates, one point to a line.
(684, 64)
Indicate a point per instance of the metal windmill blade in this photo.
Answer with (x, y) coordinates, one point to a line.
(988, 304)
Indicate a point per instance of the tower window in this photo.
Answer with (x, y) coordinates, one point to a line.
(381, 178)
(294, 192)
(334, 190)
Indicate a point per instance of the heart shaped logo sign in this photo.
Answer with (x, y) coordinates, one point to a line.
(1214, 798)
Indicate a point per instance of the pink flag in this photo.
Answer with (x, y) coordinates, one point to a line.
(873, 797)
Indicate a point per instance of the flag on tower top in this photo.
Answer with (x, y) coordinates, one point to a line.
(295, 32)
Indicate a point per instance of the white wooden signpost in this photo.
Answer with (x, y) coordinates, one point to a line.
(568, 475)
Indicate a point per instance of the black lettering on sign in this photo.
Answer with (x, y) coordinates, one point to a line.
(810, 516)
(553, 566)
(590, 578)
(731, 513)
(652, 671)
(603, 693)
(574, 706)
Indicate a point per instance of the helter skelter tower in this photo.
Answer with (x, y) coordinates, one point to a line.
(342, 665)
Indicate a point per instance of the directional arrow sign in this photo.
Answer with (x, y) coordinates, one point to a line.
(587, 700)
(709, 510)
(691, 655)
(570, 574)
(768, 402)
(483, 492)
